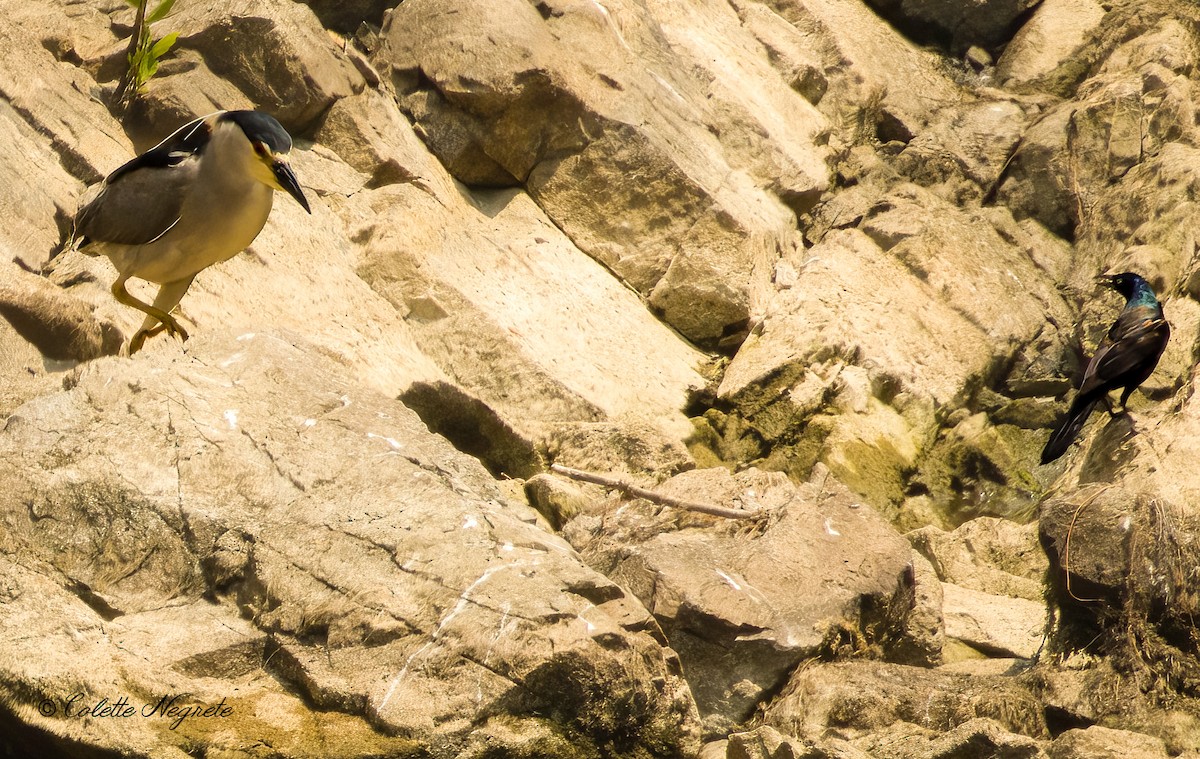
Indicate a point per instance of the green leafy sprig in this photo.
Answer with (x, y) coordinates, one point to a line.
(144, 51)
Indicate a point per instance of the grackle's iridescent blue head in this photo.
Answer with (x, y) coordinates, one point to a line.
(1132, 286)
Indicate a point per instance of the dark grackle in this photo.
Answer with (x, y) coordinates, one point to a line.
(1125, 358)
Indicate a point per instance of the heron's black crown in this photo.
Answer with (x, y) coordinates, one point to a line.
(261, 127)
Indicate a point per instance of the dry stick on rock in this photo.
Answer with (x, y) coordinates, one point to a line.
(649, 495)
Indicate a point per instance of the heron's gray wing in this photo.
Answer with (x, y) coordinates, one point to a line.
(141, 200)
(137, 206)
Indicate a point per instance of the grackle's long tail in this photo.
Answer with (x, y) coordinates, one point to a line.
(1066, 432)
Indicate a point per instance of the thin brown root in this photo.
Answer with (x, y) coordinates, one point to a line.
(1067, 548)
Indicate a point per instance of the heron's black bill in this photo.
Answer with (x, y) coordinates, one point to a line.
(287, 180)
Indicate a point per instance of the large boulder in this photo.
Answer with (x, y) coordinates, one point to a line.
(988, 555)
(875, 85)
(996, 625)
(1054, 31)
(742, 605)
(62, 328)
(966, 148)
(1098, 742)
(275, 52)
(859, 698)
(504, 95)
(857, 354)
(53, 135)
(521, 319)
(955, 23)
(249, 524)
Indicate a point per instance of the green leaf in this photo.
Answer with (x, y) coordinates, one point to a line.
(145, 69)
(159, 12)
(162, 46)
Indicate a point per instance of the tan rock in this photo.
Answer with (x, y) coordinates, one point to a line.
(919, 231)
(25, 370)
(880, 85)
(1083, 160)
(997, 625)
(58, 103)
(980, 736)
(860, 698)
(79, 33)
(317, 512)
(973, 142)
(809, 322)
(273, 51)
(693, 230)
(988, 555)
(636, 448)
(849, 364)
(508, 306)
(1089, 691)
(790, 50)
(925, 630)
(43, 204)
(1055, 30)
(59, 326)
(1037, 183)
(369, 133)
(744, 606)
(1098, 742)
(52, 135)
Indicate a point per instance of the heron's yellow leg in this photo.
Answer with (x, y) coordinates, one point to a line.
(166, 321)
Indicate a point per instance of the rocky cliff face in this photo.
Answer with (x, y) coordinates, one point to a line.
(828, 263)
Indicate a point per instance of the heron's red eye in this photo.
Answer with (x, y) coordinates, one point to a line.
(260, 148)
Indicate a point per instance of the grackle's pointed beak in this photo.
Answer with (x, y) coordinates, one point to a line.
(288, 182)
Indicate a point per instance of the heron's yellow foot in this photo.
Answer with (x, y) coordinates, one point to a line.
(171, 326)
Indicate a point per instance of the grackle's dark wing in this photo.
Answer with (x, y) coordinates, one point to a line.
(1130, 351)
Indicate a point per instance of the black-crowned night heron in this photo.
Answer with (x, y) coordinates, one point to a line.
(199, 197)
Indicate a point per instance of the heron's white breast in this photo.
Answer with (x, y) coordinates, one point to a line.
(221, 215)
